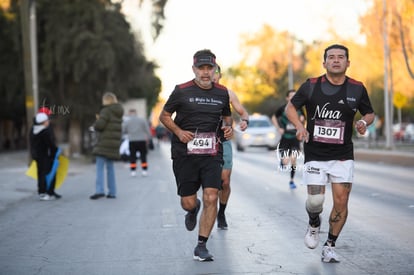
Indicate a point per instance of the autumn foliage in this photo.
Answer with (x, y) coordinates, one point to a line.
(261, 77)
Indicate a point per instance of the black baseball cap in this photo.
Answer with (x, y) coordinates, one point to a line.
(204, 57)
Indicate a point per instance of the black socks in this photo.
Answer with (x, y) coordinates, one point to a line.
(292, 171)
(221, 209)
(202, 240)
(314, 220)
(331, 240)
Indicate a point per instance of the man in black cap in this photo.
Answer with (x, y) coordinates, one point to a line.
(202, 122)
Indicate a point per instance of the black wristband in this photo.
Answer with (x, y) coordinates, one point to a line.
(246, 120)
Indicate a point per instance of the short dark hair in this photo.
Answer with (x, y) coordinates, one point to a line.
(336, 46)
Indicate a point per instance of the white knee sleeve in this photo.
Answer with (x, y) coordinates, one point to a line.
(314, 203)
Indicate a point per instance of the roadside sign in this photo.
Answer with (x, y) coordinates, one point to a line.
(399, 100)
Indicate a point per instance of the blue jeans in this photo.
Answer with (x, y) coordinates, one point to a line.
(110, 174)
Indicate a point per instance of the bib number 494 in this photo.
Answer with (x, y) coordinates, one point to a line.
(202, 144)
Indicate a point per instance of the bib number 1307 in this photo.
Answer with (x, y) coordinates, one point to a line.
(329, 131)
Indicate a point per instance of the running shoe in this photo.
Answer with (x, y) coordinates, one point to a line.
(55, 195)
(329, 255)
(191, 218)
(201, 253)
(46, 197)
(312, 237)
(96, 196)
(221, 221)
(133, 173)
(292, 185)
(144, 173)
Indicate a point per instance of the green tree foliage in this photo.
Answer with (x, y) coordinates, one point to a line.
(85, 48)
(12, 111)
(11, 68)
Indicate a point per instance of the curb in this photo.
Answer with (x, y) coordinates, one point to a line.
(385, 157)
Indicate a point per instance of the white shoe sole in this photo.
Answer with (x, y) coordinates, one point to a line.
(312, 245)
(329, 260)
(197, 258)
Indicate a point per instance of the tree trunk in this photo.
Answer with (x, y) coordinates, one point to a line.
(75, 138)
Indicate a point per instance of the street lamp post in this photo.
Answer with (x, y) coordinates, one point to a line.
(28, 22)
(387, 115)
(290, 65)
(33, 50)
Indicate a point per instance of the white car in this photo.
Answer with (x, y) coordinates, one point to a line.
(260, 133)
(409, 133)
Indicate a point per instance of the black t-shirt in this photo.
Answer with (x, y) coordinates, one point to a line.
(197, 110)
(330, 113)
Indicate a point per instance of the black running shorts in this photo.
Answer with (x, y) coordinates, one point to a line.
(193, 172)
(289, 144)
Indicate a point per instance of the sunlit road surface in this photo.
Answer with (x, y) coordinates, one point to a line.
(142, 231)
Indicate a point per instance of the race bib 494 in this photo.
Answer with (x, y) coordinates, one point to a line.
(203, 144)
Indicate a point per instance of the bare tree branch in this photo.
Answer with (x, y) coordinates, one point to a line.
(404, 49)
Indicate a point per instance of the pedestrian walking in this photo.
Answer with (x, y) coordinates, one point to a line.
(43, 150)
(224, 193)
(289, 145)
(139, 136)
(196, 149)
(331, 103)
(109, 132)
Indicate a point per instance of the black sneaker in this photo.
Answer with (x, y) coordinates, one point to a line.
(221, 221)
(56, 195)
(110, 196)
(96, 196)
(191, 218)
(201, 253)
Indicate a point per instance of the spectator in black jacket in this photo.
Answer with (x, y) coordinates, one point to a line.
(43, 151)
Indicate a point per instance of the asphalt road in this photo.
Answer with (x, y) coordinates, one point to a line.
(142, 231)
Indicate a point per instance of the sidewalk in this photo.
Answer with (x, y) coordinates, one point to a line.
(402, 154)
(14, 184)
(391, 157)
